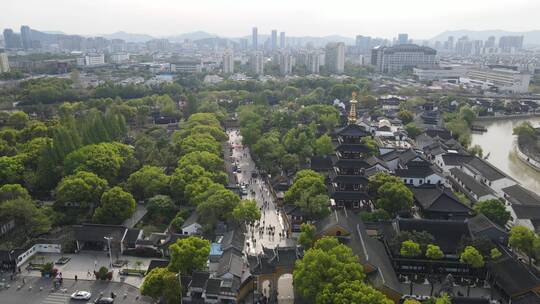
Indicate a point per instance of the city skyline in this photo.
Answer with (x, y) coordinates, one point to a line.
(421, 19)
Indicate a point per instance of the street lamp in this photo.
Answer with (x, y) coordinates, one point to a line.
(109, 238)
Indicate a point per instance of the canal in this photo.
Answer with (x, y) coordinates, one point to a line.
(498, 141)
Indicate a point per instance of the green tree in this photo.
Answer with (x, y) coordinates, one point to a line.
(188, 255)
(371, 144)
(160, 206)
(11, 170)
(472, 257)
(307, 235)
(524, 240)
(314, 206)
(411, 301)
(323, 268)
(306, 182)
(188, 175)
(246, 212)
(434, 252)
(290, 162)
(443, 299)
(217, 206)
(353, 292)
(323, 145)
(29, 219)
(495, 254)
(268, 151)
(207, 160)
(379, 179)
(13, 191)
(412, 130)
(147, 182)
(410, 249)
(476, 150)
(200, 142)
(160, 283)
(394, 197)
(405, 116)
(82, 187)
(374, 216)
(18, 120)
(493, 209)
(116, 207)
(104, 159)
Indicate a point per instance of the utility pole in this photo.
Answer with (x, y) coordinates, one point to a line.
(109, 238)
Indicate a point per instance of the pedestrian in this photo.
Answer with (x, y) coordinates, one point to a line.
(76, 278)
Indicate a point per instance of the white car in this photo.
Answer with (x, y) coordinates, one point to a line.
(81, 295)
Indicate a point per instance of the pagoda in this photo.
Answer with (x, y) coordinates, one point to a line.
(349, 181)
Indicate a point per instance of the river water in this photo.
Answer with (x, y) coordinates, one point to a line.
(499, 142)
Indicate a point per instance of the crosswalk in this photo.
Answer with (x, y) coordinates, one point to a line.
(56, 298)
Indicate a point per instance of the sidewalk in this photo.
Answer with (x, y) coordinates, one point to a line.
(83, 263)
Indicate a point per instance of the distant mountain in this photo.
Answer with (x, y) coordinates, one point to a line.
(198, 35)
(129, 37)
(529, 38)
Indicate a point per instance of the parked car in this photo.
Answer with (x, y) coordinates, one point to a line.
(81, 295)
(104, 300)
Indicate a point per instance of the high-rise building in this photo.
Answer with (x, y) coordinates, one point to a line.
(490, 42)
(510, 43)
(273, 40)
(403, 38)
(363, 43)
(228, 62)
(449, 44)
(256, 63)
(254, 38)
(159, 45)
(26, 37)
(335, 57)
(400, 57)
(313, 62)
(12, 40)
(285, 63)
(282, 41)
(4, 62)
(243, 44)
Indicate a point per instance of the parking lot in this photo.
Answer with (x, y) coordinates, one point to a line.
(38, 290)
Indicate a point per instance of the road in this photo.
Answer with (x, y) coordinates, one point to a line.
(271, 216)
(38, 291)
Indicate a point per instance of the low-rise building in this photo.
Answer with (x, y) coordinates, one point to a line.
(505, 80)
(450, 73)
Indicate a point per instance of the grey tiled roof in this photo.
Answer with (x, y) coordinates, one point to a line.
(471, 183)
(519, 195)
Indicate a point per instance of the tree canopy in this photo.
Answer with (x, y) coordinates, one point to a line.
(494, 210)
(323, 268)
(147, 182)
(472, 257)
(160, 283)
(188, 255)
(116, 206)
(246, 212)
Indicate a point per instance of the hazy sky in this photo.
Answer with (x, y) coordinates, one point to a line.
(233, 18)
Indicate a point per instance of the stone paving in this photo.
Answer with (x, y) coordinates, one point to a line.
(270, 215)
(84, 263)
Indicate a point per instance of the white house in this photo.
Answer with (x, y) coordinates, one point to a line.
(191, 226)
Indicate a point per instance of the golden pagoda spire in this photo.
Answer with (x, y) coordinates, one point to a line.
(352, 111)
